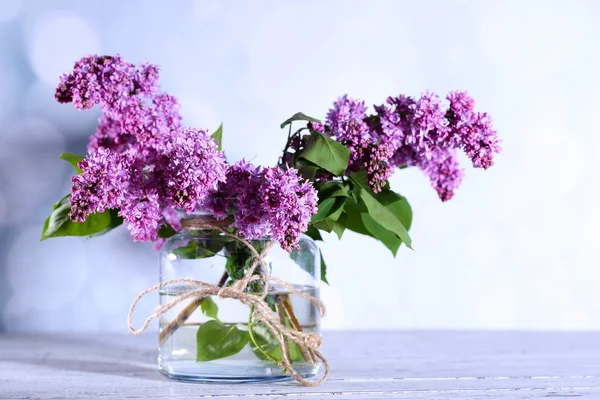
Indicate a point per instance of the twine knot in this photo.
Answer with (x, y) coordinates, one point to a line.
(262, 312)
(312, 341)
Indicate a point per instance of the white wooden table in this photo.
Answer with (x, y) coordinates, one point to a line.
(365, 365)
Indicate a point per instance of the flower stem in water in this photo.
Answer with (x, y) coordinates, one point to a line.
(186, 313)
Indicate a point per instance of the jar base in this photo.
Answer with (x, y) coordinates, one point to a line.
(191, 372)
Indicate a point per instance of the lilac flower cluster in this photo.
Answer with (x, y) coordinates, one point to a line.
(409, 132)
(134, 110)
(347, 122)
(270, 201)
(141, 161)
(146, 184)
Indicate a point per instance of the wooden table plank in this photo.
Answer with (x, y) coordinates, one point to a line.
(365, 365)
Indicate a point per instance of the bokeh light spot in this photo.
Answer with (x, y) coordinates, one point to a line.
(56, 41)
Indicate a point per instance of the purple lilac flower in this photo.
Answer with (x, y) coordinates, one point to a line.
(194, 168)
(347, 123)
(172, 217)
(264, 202)
(471, 131)
(346, 120)
(444, 173)
(145, 185)
(146, 79)
(238, 196)
(110, 135)
(140, 161)
(242, 186)
(154, 123)
(395, 119)
(419, 124)
(425, 136)
(143, 216)
(315, 126)
(288, 203)
(97, 80)
(441, 168)
(100, 185)
(130, 100)
(374, 157)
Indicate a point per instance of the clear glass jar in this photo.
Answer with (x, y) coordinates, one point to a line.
(214, 339)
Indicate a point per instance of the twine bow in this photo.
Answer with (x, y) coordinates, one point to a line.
(262, 312)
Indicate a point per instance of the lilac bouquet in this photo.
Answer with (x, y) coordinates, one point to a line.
(145, 169)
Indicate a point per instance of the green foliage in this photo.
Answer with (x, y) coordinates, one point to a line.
(398, 205)
(333, 189)
(313, 233)
(307, 169)
(218, 136)
(331, 207)
(215, 340)
(339, 225)
(59, 224)
(298, 117)
(263, 344)
(72, 159)
(115, 221)
(326, 153)
(385, 216)
(236, 264)
(209, 308)
(199, 248)
(265, 347)
(323, 268)
(387, 237)
(166, 231)
(378, 211)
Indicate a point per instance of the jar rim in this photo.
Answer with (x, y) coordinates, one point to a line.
(204, 222)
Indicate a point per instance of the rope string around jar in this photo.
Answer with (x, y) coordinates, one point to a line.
(262, 311)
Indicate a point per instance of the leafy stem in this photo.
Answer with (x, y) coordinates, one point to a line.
(287, 145)
(253, 339)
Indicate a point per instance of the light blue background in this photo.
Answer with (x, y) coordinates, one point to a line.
(516, 248)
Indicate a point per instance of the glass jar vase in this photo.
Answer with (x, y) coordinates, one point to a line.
(216, 339)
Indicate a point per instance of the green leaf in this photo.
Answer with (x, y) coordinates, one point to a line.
(166, 231)
(200, 248)
(115, 221)
(338, 209)
(325, 225)
(333, 189)
(355, 223)
(218, 136)
(331, 207)
(59, 223)
(380, 213)
(325, 208)
(72, 159)
(339, 225)
(295, 353)
(313, 233)
(264, 338)
(327, 153)
(360, 222)
(214, 340)
(209, 308)
(398, 205)
(387, 237)
(298, 117)
(306, 169)
(323, 268)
